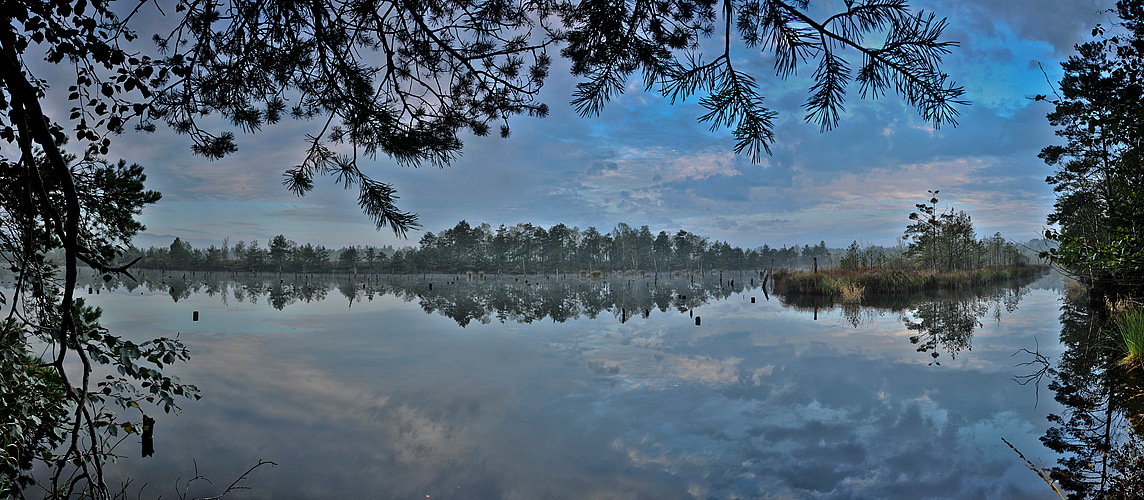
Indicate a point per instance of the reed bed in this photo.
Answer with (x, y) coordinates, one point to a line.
(851, 293)
(1129, 327)
(845, 283)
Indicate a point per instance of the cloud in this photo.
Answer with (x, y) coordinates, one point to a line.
(643, 161)
(1058, 23)
(600, 167)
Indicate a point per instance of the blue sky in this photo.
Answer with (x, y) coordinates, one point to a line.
(645, 162)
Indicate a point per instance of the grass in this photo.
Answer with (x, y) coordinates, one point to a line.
(1129, 326)
(852, 284)
(851, 292)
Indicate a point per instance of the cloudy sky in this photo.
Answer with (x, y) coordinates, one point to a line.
(645, 162)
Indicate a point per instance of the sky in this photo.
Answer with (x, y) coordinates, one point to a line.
(646, 162)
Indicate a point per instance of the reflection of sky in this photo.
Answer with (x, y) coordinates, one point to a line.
(382, 400)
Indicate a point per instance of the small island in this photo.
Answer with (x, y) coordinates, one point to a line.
(942, 253)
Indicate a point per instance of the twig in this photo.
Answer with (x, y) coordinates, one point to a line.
(1039, 470)
(234, 486)
(1038, 358)
(1043, 72)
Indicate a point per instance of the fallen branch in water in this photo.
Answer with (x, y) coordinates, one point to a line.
(1039, 470)
(233, 486)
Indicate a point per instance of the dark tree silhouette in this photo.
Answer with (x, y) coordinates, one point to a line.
(1099, 177)
(403, 79)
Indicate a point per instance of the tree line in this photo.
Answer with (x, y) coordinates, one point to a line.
(521, 248)
(942, 241)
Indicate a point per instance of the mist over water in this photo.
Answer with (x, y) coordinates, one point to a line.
(378, 387)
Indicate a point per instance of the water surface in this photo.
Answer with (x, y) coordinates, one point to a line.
(560, 388)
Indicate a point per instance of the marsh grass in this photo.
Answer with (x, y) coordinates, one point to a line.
(1129, 328)
(1074, 291)
(851, 292)
(840, 282)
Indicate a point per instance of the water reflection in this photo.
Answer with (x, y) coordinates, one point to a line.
(948, 325)
(464, 299)
(941, 321)
(1099, 433)
(561, 388)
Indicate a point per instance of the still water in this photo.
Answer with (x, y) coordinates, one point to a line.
(631, 387)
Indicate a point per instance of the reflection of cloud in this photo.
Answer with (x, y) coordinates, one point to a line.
(758, 402)
(418, 439)
(820, 419)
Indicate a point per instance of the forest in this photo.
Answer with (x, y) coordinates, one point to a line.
(942, 241)
(521, 248)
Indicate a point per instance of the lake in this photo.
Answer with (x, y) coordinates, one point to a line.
(561, 387)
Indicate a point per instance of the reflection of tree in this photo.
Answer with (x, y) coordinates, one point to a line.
(949, 324)
(349, 290)
(310, 292)
(523, 299)
(279, 296)
(529, 299)
(1099, 431)
(178, 288)
(941, 320)
(945, 324)
(239, 292)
